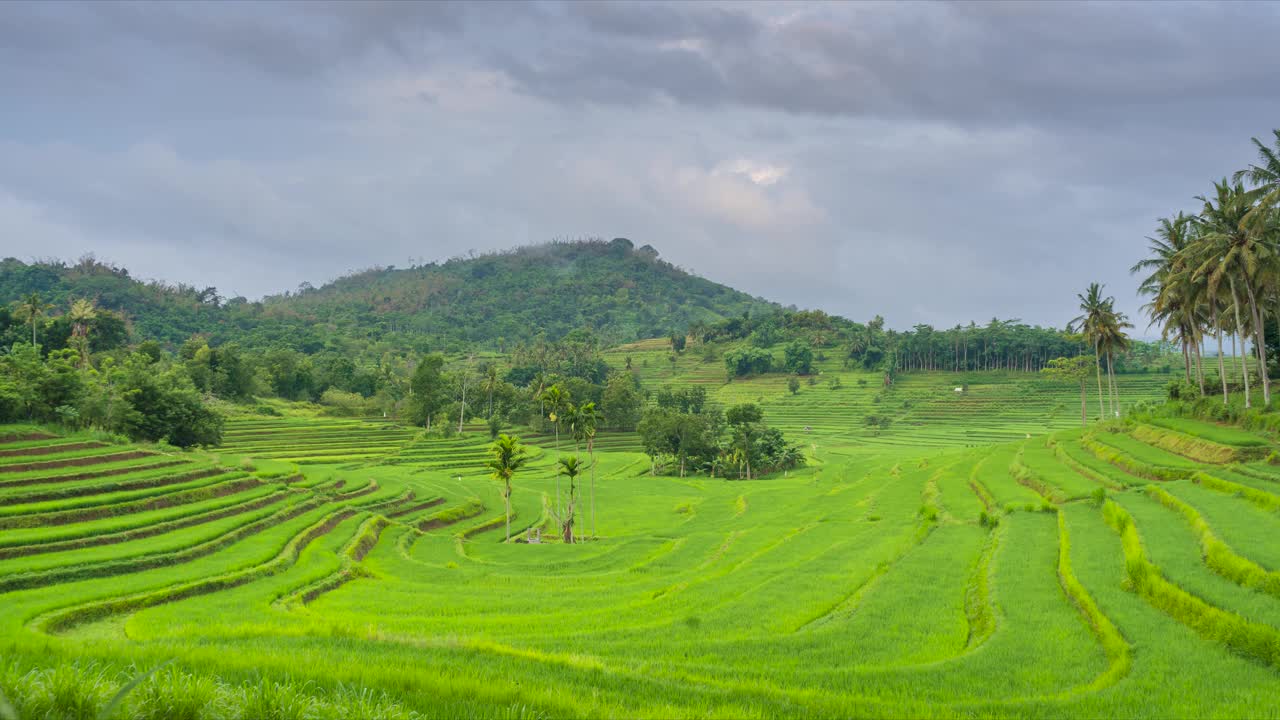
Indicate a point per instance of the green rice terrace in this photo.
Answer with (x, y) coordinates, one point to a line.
(981, 556)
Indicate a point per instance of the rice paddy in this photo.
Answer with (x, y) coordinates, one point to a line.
(979, 556)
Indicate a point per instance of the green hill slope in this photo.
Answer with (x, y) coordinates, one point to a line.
(621, 292)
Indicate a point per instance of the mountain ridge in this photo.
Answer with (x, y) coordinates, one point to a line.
(620, 292)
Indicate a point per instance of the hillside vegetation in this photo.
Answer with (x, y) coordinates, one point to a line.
(618, 291)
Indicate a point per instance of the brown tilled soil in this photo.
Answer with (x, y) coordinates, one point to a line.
(89, 475)
(24, 437)
(138, 534)
(117, 487)
(367, 543)
(415, 508)
(50, 449)
(97, 513)
(372, 487)
(75, 462)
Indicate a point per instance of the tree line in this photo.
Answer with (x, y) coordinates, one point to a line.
(1215, 273)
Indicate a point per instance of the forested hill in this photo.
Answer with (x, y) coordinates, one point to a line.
(621, 292)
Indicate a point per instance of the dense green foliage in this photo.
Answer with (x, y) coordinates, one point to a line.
(141, 397)
(619, 292)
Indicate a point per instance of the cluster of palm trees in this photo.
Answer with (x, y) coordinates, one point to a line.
(1218, 272)
(1102, 327)
(507, 456)
(32, 309)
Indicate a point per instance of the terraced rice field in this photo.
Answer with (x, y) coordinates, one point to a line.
(349, 568)
(924, 409)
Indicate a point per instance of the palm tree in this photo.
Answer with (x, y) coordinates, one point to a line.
(588, 418)
(490, 384)
(1228, 250)
(1265, 176)
(1168, 281)
(30, 310)
(1090, 323)
(81, 314)
(1112, 340)
(570, 468)
(508, 456)
(554, 400)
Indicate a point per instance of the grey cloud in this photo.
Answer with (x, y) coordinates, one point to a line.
(928, 162)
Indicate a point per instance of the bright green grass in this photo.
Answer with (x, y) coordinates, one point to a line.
(1224, 434)
(910, 573)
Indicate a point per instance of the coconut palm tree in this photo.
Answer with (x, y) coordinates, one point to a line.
(1265, 176)
(1089, 323)
(587, 420)
(1113, 340)
(1227, 250)
(554, 400)
(491, 381)
(507, 457)
(571, 468)
(30, 310)
(1167, 281)
(81, 314)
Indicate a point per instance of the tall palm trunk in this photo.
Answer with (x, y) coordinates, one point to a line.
(1097, 367)
(1222, 370)
(1186, 359)
(1260, 345)
(1111, 384)
(506, 501)
(591, 454)
(1244, 360)
(1200, 364)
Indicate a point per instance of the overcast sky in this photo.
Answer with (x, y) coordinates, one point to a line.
(928, 162)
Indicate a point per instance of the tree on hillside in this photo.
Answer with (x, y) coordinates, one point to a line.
(507, 456)
(554, 401)
(569, 467)
(798, 357)
(744, 420)
(1073, 369)
(81, 314)
(427, 389)
(621, 402)
(30, 310)
(464, 378)
(491, 382)
(793, 385)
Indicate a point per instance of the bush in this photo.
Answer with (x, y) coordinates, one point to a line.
(1180, 389)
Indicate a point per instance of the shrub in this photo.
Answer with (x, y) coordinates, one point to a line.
(1098, 496)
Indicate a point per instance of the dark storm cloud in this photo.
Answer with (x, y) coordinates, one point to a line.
(930, 162)
(971, 62)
